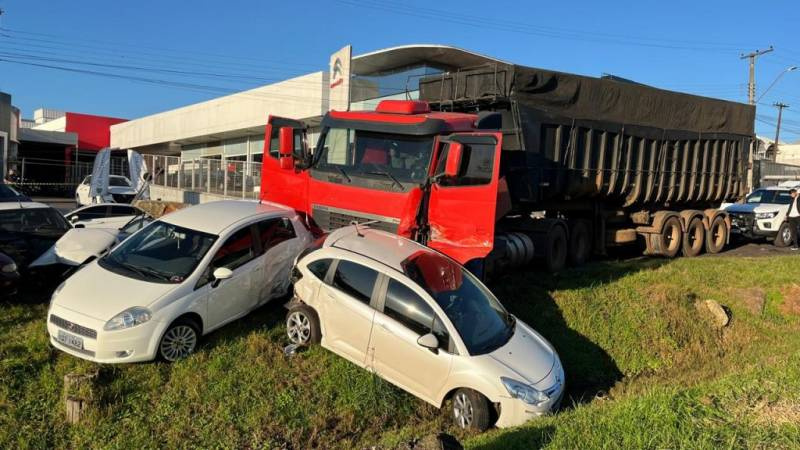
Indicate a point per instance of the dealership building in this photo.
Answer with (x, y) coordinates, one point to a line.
(231, 128)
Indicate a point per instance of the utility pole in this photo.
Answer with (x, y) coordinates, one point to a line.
(780, 107)
(751, 85)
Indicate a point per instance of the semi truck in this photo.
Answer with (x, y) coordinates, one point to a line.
(501, 164)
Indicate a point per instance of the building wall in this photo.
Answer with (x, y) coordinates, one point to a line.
(300, 97)
(94, 132)
(789, 154)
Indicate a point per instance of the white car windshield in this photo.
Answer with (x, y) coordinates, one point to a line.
(118, 181)
(769, 196)
(161, 252)
(482, 322)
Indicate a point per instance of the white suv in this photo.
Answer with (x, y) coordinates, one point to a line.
(763, 215)
(424, 323)
(180, 277)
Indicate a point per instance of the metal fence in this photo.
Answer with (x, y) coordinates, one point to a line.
(239, 179)
(40, 176)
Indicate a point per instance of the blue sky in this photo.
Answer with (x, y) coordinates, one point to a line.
(213, 47)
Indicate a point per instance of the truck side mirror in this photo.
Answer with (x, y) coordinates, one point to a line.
(453, 164)
(286, 148)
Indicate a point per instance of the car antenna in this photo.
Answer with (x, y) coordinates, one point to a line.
(355, 223)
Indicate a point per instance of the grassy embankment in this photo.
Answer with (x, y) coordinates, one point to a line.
(627, 330)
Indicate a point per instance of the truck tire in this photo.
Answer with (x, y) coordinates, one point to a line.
(580, 243)
(784, 236)
(555, 257)
(670, 239)
(694, 238)
(717, 235)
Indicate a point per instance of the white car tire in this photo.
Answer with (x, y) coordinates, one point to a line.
(470, 410)
(179, 340)
(302, 325)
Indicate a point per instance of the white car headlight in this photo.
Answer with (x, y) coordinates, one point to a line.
(524, 392)
(128, 318)
(766, 215)
(9, 268)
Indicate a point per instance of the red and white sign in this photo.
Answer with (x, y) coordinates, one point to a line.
(339, 96)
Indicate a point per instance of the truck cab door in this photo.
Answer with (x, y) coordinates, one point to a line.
(280, 184)
(463, 198)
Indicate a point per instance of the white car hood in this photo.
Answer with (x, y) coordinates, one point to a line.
(755, 207)
(77, 245)
(527, 354)
(102, 294)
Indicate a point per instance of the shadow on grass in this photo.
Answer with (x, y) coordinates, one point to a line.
(589, 369)
(522, 438)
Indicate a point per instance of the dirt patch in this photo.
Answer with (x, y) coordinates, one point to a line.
(753, 299)
(791, 300)
(780, 413)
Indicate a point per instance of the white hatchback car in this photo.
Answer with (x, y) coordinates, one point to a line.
(179, 278)
(120, 190)
(103, 215)
(423, 322)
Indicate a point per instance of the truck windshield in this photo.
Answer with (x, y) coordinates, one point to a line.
(770, 196)
(482, 322)
(358, 157)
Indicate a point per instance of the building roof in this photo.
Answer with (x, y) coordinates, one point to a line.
(215, 217)
(393, 58)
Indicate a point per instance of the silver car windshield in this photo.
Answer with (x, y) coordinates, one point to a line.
(482, 322)
(161, 252)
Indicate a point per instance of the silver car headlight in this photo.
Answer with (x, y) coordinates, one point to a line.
(128, 318)
(766, 215)
(9, 268)
(524, 392)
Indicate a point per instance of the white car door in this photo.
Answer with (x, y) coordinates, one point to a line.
(346, 312)
(230, 299)
(280, 244)
(89, 216)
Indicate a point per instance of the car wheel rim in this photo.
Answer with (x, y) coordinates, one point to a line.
(298, 328)
(178, 342)
(787, 235)
(462, 410)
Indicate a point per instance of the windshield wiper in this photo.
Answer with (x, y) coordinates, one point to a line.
(143, 271)
(390, 176)
(349, 180)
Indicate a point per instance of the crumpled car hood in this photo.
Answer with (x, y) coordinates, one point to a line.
(77, 245)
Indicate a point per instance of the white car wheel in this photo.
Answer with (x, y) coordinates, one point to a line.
(179, 341)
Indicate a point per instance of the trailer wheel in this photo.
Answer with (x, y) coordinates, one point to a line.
(717, 235)
(556, 249)
(670, 238)
(694, 238)
(580, 243)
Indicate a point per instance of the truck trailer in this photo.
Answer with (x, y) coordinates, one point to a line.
(501, 164)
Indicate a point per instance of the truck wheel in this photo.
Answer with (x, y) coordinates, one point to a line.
(670, 239)
(717, 235)
(784, 236)
(580, 243)
(694, 238)
(556, 249)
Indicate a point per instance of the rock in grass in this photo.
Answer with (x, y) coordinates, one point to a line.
(442, 441)
(717, 313)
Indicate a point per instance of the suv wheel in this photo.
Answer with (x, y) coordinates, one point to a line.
(784, 236)
(470, 410)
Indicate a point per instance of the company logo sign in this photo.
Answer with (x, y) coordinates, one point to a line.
(336, 73)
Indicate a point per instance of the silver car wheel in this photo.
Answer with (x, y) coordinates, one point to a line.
(786, 234)
(178, 342)
(462, 410)
(298, 328)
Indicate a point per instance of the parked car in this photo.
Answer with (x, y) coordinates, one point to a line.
(424, 323)
(10, 194)
(102, 215)
(79, 246)
(28, 229)
(9, 274)
(763, 215)
(181, 277)
(120, 190)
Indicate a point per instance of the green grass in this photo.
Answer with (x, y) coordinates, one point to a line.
(628, 331)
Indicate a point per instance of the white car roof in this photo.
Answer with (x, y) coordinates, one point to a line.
(5, 206)
(215, 217)
(388, 248)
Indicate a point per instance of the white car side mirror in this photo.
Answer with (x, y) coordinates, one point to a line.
(74, 218)
(429, 341)
(222, 273)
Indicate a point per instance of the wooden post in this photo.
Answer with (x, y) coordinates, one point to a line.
(79, 394)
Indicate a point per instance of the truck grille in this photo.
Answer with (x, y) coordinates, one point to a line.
(329, 218)
(72, 327)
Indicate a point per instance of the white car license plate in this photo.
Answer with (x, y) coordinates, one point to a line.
(70, 340)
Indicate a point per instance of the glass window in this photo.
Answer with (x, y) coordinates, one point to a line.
(773, 196)
(92, 212)
(275, 143)
(161, 252)
(236, 251)
(355, 280)
(320, 267)
(477, 165)
(274, 231)
(121, 210)
(42, 221)
(118, 181)
(405, 306)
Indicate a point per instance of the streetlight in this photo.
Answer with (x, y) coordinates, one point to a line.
(784, 72)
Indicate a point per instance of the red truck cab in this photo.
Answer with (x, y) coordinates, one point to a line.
(430, 176)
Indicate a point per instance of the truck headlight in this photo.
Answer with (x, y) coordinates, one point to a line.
(128, 318)
(524, 392)
(766, 215)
